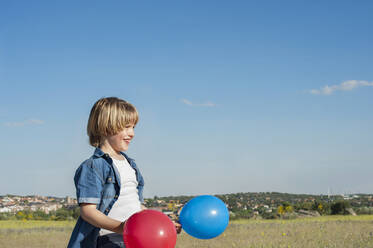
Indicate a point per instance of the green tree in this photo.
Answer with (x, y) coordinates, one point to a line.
(20, 215)
(40, 215)
(76, 213)
(244, 214)
(305, 205)
(62, 214)
(322, 207)
(339, 207)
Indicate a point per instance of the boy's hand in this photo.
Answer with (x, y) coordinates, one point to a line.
(120, 228)
(177, 226)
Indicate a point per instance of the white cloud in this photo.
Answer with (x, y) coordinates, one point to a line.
(24, 123)
(207, 104)
(35, 121)
(185, 101)
(345, 86)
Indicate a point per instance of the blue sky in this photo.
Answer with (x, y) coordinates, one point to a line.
(234, 96)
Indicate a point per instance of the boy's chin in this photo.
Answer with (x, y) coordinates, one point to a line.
(124, 148)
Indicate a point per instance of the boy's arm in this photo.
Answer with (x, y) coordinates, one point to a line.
(94, 217)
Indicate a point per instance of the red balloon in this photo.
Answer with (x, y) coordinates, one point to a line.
(149, 229)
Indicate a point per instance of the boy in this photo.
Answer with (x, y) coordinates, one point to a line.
(109, 185)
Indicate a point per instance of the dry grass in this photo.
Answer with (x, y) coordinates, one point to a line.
(35, 234)
(35, 239)
(31, 224)
(332, 231)
(325, 232)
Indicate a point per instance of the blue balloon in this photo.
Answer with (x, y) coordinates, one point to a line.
(204, 217)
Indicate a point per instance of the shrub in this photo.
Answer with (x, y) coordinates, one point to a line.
(339, 207)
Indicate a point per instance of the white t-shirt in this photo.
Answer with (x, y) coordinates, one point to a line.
(128, 201)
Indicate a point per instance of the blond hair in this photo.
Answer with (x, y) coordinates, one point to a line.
(109, 116)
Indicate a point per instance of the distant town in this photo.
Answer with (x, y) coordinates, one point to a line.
(46, 204)
(241, 205)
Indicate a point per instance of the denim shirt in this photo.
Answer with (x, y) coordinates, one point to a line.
(97, 181)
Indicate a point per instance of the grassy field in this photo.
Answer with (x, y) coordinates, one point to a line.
(325, 232)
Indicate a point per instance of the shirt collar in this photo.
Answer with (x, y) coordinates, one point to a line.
(99, 153)
(128, 158)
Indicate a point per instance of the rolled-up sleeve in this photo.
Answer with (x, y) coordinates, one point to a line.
(88, 183)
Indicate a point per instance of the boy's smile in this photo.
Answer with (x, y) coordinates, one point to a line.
(120, 141)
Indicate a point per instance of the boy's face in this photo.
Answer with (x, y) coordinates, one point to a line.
(120, 141)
